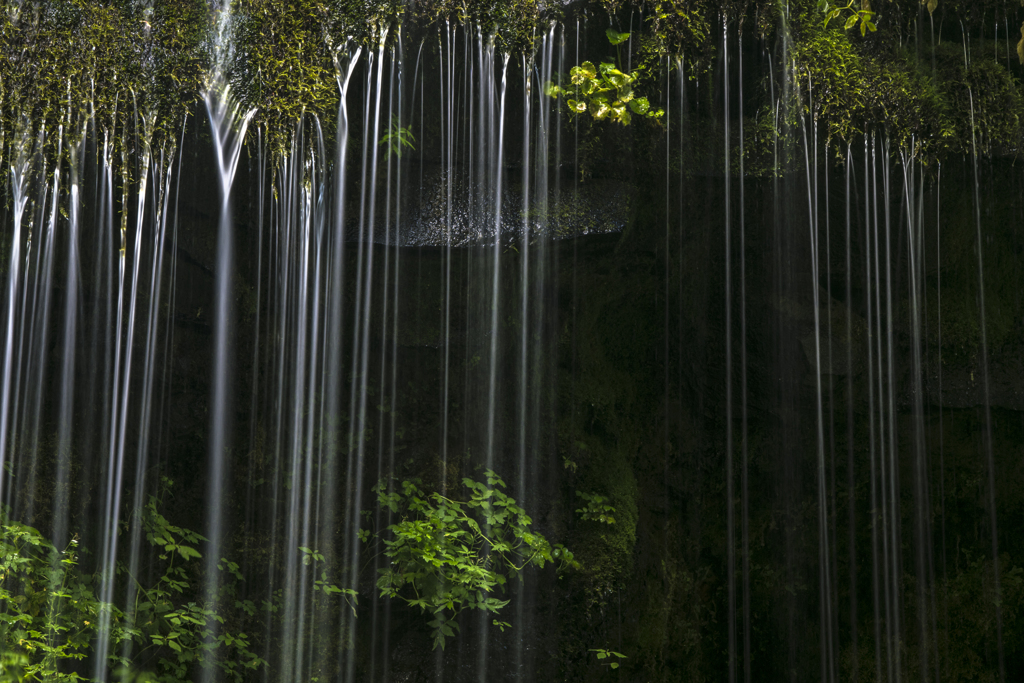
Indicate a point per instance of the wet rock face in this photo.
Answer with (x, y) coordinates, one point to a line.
(1000, 386)
(430, 216)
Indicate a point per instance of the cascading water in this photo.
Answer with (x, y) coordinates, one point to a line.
(364, 342)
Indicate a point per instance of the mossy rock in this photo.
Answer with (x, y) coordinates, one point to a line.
(117, 65)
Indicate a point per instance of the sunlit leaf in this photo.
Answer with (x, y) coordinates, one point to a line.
(616, 38)
(640, 105)
(1020, 45)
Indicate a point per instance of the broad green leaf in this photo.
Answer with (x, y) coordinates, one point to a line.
(618, 79)
(640, 105)
(616, 38)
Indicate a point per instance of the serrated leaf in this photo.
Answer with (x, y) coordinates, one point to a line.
(187, 552)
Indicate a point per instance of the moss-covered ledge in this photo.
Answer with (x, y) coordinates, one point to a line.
(72, 62)
(924, 97)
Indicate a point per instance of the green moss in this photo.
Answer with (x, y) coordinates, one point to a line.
(68, 60)
(285, 53)
(133, 72)
(851, 94)
(603, 433)
(284, 63)
(927, 101)
(71, 61)
(686, 28)
(983, 98)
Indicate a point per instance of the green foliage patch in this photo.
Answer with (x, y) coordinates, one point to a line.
(449, 555)
(66, 62)
(51, 619)
(604, 91)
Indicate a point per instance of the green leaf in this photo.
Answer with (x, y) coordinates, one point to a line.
(640, 106)
(616, 38)
(618, 79)
(187, 552)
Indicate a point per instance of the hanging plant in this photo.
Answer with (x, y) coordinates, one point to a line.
(604, 90)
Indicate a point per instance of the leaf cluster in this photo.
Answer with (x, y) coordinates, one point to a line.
(448, 555)
(322, 584)
(931, 104)
(48, 613)
(596, 508)
(603, 653)
(683, 25)
(604, 91)
(50, 616)
(173, 629)
(850, 15)
(398, 137)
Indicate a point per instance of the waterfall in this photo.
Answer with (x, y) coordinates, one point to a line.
(512, 342)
